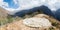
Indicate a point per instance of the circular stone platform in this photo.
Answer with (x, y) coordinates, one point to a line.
(37, 22)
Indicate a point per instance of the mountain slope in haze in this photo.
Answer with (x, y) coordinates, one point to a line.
(3, 13)
(3, 16)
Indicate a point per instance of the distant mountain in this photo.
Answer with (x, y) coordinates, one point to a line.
(57, 14)
(42, 8)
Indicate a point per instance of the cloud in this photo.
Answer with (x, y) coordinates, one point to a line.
(28, 4)
(53, 4)
(15, 1)
(5, 5)
(24, 4)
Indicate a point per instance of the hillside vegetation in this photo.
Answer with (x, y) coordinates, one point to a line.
(8, 22)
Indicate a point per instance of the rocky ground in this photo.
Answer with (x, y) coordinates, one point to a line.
(8, 22)
(18, 25)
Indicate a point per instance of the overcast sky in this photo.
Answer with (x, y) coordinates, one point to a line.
(18, 5)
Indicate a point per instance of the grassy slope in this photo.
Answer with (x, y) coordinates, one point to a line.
(4, 19)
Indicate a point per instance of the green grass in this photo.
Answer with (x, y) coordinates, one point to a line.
(6, 20)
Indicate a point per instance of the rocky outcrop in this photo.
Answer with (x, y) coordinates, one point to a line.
(37, 22)
(19, 25)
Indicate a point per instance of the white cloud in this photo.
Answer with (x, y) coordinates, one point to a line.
(28, 4)
(53, 4)
(3, 3)
(24, 4)
(5, 6)
(15, 1)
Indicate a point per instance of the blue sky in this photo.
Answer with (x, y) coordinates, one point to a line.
(18, 5)
(11, 3)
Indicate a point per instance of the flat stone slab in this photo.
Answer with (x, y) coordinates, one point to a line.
(37, 22)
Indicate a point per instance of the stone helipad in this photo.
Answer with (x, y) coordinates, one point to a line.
(37, 22)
